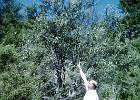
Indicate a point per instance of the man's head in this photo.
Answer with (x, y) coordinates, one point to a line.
(92, 84)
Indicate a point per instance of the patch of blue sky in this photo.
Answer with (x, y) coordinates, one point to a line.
(29, 2)
(100, 6)
(103, 4)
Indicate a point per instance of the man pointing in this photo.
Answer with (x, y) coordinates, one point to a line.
(91, 85)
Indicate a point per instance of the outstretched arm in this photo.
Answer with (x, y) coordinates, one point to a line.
(82, 74)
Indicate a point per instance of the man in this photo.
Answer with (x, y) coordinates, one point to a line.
(91, 93)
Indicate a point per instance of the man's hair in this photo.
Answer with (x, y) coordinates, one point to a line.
(94, 83)
(94, 86)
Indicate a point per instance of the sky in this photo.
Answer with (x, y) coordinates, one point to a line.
(100, 6)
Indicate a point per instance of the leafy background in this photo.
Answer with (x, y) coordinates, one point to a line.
(39, 50)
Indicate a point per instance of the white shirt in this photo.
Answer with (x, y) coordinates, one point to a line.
(91, 95)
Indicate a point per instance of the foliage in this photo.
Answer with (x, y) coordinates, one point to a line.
(38, 54)
(131, 20)
(10, 22)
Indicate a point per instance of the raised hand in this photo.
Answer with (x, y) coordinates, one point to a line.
(78, 65)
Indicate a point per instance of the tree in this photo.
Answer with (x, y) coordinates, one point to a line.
(60, 34)
(10, 24)
(16, 82)
(131, 10)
